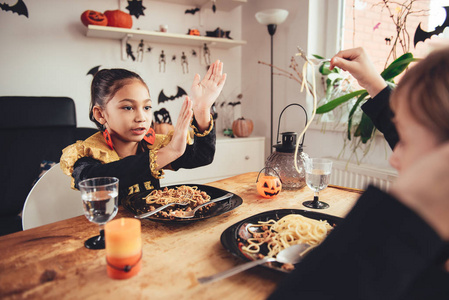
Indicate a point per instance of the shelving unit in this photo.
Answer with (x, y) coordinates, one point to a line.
(124, 35)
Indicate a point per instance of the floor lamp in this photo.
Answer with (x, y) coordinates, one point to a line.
(271, 18)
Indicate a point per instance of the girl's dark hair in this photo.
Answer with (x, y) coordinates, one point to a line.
(104, 86)
(425, 87)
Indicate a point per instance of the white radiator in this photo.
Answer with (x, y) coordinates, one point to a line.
(360, 176)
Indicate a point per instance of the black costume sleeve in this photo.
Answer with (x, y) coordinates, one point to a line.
(381, 250)
(199, 154)
(378, 109)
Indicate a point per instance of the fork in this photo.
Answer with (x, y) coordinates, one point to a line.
(150, 213)
(191, 214)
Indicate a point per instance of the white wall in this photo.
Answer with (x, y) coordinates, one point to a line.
(48, 54)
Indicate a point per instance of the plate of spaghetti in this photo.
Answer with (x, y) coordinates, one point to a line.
(193, 194)
(268, 233)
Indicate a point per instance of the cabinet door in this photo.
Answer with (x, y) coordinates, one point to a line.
(232, 157)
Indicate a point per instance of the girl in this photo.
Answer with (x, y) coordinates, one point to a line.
(126, 147)
(392, 245)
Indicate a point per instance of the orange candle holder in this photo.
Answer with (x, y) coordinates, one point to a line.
(123, 248)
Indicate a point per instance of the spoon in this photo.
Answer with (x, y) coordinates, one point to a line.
(290, 255)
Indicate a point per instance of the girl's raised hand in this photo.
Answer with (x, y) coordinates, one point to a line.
(177, 145)
(204, 93)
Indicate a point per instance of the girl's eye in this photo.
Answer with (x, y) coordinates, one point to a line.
(127, 108)
(147, 107)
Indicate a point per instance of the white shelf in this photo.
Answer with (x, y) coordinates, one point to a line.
(160, 37)
(225, 5)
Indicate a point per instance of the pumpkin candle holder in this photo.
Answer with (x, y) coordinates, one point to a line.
(268, 186)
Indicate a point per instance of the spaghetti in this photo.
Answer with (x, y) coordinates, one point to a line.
(290, 230)
(181, 194)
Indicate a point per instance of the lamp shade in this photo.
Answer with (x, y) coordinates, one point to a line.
(271, 16)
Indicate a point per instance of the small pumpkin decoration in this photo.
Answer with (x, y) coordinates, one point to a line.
(268, 186)
(242, 127)
(92, 17)
(118, 18)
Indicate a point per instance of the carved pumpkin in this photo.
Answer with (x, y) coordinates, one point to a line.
(163, 128)
(118, 18)
(268, 186)
(242, 127)
(91, 17)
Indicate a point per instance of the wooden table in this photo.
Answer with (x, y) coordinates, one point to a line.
(51, 262)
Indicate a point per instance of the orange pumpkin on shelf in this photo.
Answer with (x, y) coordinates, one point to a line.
(268, 186)
(118, 18)
(242, 127)
(92, 17)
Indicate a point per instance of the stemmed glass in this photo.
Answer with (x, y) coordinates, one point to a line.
(100, 203)
(318, 172)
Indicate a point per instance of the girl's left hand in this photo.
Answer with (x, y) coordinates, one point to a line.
(205, 92)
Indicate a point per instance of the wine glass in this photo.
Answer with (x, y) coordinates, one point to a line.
(318, 172)
(100, 204)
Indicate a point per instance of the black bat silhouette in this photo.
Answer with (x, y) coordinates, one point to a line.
(93, 71)
(162, 98)
(421, 35)
(20, 8)
(192, 11)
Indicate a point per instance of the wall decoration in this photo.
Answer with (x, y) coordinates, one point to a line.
(163, 124)
(129, 51)
(118, 18)
(93, 71)
(163, 98)
(193, 53)
(388, 40)
(92, 17)
(149, 49)
(173, 58)
(184, 63)
(421, 35)
(376, 26)
(214, 7)
(206, 54)
(162, 61)
(20, 8)
(192, 11)
(140, 49)
(136, 8)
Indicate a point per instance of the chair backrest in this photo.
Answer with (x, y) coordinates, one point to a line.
(51, 200)
(32, 130)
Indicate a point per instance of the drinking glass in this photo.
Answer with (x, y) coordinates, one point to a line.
(318, 172)
(100, 203)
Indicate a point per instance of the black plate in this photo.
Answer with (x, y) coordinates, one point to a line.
(234, 235)
(136, 204)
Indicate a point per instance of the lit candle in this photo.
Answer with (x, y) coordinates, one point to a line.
(123, 248)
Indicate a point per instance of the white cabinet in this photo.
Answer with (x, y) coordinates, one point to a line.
(233, 156)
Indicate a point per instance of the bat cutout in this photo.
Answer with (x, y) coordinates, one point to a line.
(20, 8)
(93, 71)
(192, 11)
(163, 98)
(421, 35)
(136, 8)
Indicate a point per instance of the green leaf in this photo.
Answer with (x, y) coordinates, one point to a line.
(353, 109)
(317, 56)
(324, 68)
(398, 66)
(338, 101)
(366, 127)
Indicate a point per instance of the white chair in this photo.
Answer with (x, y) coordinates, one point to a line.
(51, 200)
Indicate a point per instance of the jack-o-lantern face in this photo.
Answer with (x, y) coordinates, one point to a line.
(91, 17)
(269, 186)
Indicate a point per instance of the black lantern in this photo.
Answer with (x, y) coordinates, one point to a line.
(283, 159)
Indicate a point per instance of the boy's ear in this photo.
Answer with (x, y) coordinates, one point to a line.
(98, 114)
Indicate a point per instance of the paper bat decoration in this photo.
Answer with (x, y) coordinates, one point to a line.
(20, 8)
(192, 11)
(421, 35)
(93, 71)
(163, 98)
(136, 8)
(376, 26)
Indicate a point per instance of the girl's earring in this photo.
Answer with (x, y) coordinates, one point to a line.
(108, 139)
(150, 136)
